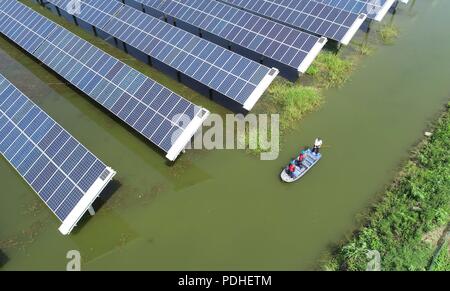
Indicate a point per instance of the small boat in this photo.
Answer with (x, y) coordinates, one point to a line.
(300, 170)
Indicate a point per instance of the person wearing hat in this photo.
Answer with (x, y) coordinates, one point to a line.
(317, 145)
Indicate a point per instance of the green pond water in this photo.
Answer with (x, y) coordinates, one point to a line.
(227, 209)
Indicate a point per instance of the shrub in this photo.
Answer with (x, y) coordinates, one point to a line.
(388, 33)
(330, 70)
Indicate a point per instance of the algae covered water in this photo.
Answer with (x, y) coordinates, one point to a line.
(227, 209)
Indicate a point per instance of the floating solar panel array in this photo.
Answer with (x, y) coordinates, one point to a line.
(161, 116)
(374, 9)
(232, 76)
(65, 175)
(263, 37)
(307, 15)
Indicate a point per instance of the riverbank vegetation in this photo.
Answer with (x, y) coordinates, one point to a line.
(442, 259)
(364, 48)
(292, 101)
(417, 202)
(330, 70)
(388, 33)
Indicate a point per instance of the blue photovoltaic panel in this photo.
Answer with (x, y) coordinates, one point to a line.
(28, 39)
(148, 107)
(228, 73)
(308, 15)
(58, 168)
(374, 9)
(268, 38)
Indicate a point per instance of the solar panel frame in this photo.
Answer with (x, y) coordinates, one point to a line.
(374, 9)
(93, 72)
(209, 64)
(32, 151)
(307, 15)
(285, 45)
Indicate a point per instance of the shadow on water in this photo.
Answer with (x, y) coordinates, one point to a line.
(104, 197)
(3, 259)
(115, 235)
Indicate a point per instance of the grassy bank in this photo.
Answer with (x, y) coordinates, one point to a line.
(442, 259)
(292, 101)
(416, 203)
(330, 70)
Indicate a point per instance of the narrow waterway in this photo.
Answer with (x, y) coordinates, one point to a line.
(226, 209)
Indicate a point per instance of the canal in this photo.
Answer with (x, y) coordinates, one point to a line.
(227, 209)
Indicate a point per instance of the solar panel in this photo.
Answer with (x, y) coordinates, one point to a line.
(272, 40)
(65, 175)
(374, 9)
(308, 15)
(161, 116)
(233, 76)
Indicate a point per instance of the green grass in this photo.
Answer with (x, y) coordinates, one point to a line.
(364, 49)
(442, 260)
(417, 202)
(291, 100)
(330, 70)
(388, 33)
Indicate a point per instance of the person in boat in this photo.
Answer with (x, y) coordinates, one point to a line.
(300, 158)
(317, 145)
(291, 168)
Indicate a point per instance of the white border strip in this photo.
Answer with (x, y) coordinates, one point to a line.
(259, 90)
(353, 29)
(86, 201)
(187, 134)
(384, 9)
(404, 1)
(312, 54)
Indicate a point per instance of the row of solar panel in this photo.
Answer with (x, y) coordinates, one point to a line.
(336, 19)
(52, 162)
(372, 8)
(257, 34)
(271, 40)
(217, 68)
(308, 15)
(145, 105)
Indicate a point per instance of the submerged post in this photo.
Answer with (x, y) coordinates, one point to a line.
(369, 23)
(91, 210)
